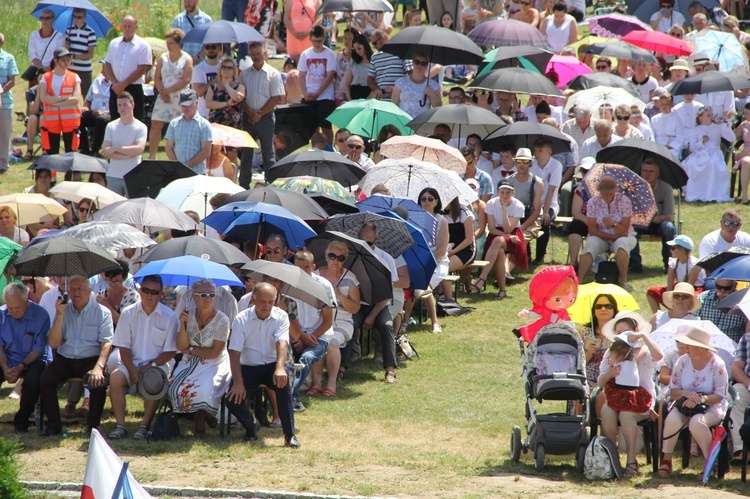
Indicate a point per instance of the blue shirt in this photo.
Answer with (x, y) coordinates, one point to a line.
(184, 22)
(188, 137)
(18, 337)
(8, 68)
(84, 332)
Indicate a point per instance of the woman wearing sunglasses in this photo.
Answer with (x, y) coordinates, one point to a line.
(203, 375)
(416, 93)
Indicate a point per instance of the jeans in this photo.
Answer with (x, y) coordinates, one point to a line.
(384, 324)
(263, 130)
(29, 394)
(231, 10)
(667, 230)
(253, 377)
(307, 358)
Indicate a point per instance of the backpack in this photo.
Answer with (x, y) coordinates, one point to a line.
(602, 460)
(451, 308)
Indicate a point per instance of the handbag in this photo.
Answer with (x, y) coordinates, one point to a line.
(165, 425)
(679, 404)
(607, 273)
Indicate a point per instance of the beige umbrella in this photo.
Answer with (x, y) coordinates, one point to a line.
(77, 191)
(424, 149)
(231, 137)
(32, 208)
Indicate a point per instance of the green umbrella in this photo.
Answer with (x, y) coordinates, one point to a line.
(366, 117)
(8, 252)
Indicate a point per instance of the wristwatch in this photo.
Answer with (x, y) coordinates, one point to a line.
(190, 349)
(703, 399)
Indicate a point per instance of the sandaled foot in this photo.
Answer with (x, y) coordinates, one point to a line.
(28, 156)
(501, 295)
(665, 469)
(329, 393)
(476, 288)
(631, 470)
(694, 451)
(314, 390)
(142, 433)
(341, 374)
(119, 432)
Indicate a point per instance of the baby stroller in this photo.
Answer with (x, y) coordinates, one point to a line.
(553, 369)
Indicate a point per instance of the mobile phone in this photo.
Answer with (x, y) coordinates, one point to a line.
(65, 298)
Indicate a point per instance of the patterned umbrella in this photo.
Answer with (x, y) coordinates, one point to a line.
(64, 256)
(393, 234)
(631, 184)
(314, 185)
(297, 284)
(716, 260)
(110, 235)
(616, 25)
(426, 149)
(665, 335)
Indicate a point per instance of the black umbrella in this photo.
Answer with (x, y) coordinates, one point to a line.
(507, 57)
(64, 256)
(524, 134)
(632, 152)
(297, 284)
(716, 260)
(298, 203)
(462, 118)
(299, 120)
(393, 234)
(70, 161)
(441, 46)
(621, 50)
(710, 81)
(150, 176)
(374, 278)
(354, 6)
(333, 205)
(516, 80)
(209, 249)
(583, 82)
(323, 164)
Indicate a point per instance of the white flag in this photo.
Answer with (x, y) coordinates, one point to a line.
(103, 467)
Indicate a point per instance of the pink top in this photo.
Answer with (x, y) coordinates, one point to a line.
(712, 379)
(619, 208)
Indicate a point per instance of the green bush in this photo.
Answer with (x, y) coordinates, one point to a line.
(10, 487)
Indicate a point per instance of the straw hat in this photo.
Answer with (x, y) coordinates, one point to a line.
(641, 325)
(683, 288)
(696, 337)
(153, 384)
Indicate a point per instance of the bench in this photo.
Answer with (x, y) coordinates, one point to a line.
(476, 264)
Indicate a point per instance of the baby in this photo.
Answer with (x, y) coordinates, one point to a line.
(622, 389)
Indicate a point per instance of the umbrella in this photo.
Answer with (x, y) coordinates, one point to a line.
(731, 302)
(716, 260)
(150, 176)
(111, 236)
(719, 434)
(656, 41)
(442, 46)
(324, 164)
(417, 215)
(665, 335)
(228, 136)
(632, 152)
(407, 177)
(425, 149)
(146, 212)
(297, 284)
(334, 206)
(354, 6)
(366, 117)
(393, 234)
(524, 134)
(737, 269)
(507, 33)
(64, 256)
(70, 161)
(516, 80)
(33, 208)
(8, 249)
(46, 235)
(158, 46)
(63, 10)
(257, 221)
(580, 311)
(223, 32)
(508, 57)
(193, 193)
(78, 191)
(744, 305)
(621, 50)
(296, 202)
(420, 261)
(596, 97)
(724, 48)
(566, 68)
(314, 185)
(644, 9)
(300, 121)
(630, 184)
(375, 281)
(710, 81)
(584, 82)
(207, 249)
(462, 118)
(616, 25)
(184, 270)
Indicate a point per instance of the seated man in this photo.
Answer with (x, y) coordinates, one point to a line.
(145, 337)
(733, 325)
(95, 116)
(741, 376)
(727, 235)
(24, 352)
(258, 353)
(82, 334)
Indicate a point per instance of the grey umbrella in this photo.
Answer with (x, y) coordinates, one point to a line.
(202, 247)
(110, 235)
(146, 212)
(297, 284)
(64, 256)
(393, 234)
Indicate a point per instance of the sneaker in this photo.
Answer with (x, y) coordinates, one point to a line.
(291, 441)
(299, 406)
(509, 277)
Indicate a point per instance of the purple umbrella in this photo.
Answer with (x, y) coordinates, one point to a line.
(720, 433)
(616, 25)
(507, 33)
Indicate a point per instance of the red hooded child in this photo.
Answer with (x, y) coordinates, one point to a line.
(552, 290)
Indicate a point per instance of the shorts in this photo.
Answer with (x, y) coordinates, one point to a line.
(167, 368)
(323, 108)
(595, 245)
(467, 255)
(341, 335)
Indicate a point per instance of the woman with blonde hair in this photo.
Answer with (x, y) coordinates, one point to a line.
(8, 226)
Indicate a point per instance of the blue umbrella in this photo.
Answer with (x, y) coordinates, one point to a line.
(63, 10)
(735, 270)
(417, 215)
(46, 235)
(419, 259)
(256, 221)
(223, 32)
(183, 270)
(724, 48)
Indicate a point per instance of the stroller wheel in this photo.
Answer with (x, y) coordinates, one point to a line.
(515, 444)
(539, 458)
(580, 458)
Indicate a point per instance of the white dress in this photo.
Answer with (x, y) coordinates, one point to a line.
(708, 175)
(171, 73)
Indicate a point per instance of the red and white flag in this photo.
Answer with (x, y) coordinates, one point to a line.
(103, 468)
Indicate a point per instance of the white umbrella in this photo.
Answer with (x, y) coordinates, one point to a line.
(146, 212)
(595, 97)
(425, 149)
(33, 208)
(665, 335)
(407, 177)
(110, 235)
(77, 191)
(193, 193)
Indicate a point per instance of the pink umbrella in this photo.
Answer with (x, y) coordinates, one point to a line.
(656, 41)
(567, 67)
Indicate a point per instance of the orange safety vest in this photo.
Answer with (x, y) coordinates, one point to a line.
(61, 119)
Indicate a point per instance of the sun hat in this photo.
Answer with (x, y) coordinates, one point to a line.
(683, 288)
(641, 325)
(682, 241)
(153, 384)
(87, 385)
(625, 338)
(586, 164)
(680, 64)
(696, 337)
(524, 153)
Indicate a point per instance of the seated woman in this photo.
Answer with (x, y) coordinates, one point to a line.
(678, 270)
(202, 376)
(708, 178)
(8, 226)
(578, 228)
(700, 378)
(462, 246)
(680, 303)
(608, 220)
(415, 92)
(117, 296)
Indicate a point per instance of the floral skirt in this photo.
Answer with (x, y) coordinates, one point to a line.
(198, 384)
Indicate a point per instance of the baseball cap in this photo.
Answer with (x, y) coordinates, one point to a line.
(187, 97)
(505, 184)
(682, 241)
(60, 52)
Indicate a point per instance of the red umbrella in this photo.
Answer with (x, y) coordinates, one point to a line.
(656, 41)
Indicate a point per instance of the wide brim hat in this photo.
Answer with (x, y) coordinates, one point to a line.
(683, 288)
(642, 325)
(153, 384)
(696, 337)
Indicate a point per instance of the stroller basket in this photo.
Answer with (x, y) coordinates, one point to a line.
(560, 386)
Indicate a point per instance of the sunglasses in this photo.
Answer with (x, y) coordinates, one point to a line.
(426, 199)
(205, 295)
(83, 208)
(420, 63)
(79, 16)
(722, 288)
(273, 250)
(354, 146)
(334, 256)
(729, 223)
(481, 92)
(46, 18)
(212, 46)
(231, 68)
(623, 118)
(676, 35)
(682, 296)
(605, 306)
(602, 67)
(149, 291)
(340, 140)
(524, 161)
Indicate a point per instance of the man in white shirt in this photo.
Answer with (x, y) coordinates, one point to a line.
(124, 142)
(603, 137)
(145, 336)
(550, 171)
(205, 72)
(580, 127)
(317, 70)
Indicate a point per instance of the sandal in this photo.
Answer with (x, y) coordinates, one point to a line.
(119, 432)
(28, 156)
(665, 469)
(329, 393)
(694, 451)
(475, 288)
(142, 433)
(631, 470)
(501, 295)
(314, 390)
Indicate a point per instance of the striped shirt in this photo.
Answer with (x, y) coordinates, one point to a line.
(79, 40)
(185, 22)
(386, 69)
